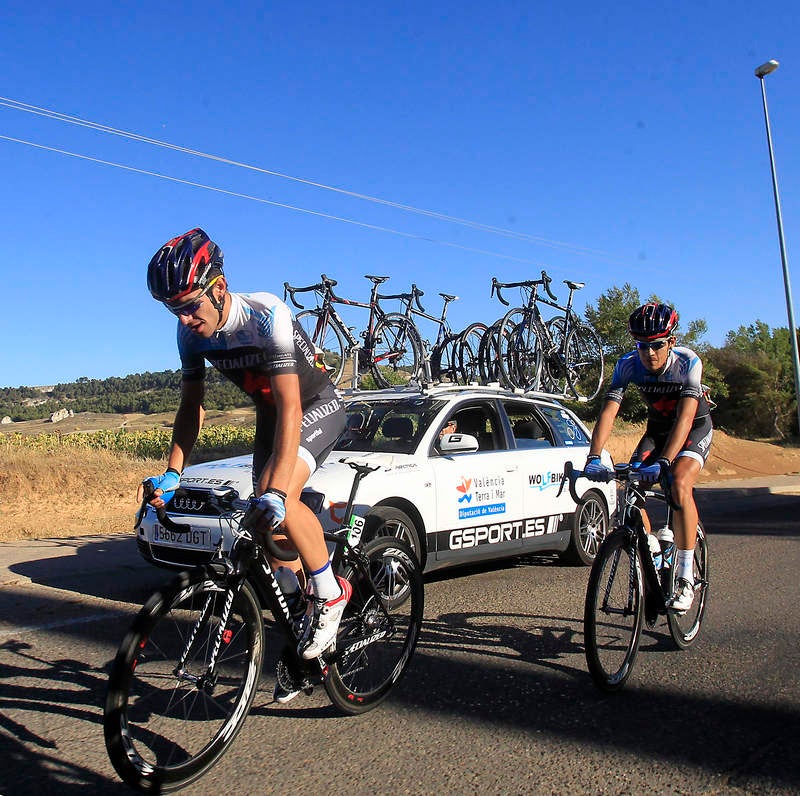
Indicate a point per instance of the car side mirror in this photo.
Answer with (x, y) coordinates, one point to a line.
(458, 443)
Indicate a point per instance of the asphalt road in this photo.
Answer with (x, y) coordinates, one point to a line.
(497, 699)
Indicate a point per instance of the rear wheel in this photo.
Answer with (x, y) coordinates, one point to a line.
(686, 628)
(614, 611)
(488, 365)
(444, 364)
(588, 530)
(584, 362)
(380, 626)
(519, 350)
(167, 717)
(469, 344)
(397, 351)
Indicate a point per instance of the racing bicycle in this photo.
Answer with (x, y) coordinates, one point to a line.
(391, 346)
(187, 671)
(563, 355)
(626, 588)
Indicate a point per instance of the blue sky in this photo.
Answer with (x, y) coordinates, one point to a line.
(626, 141)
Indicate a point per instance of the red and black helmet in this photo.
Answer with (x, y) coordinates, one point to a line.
(182, 265)
(652, 320)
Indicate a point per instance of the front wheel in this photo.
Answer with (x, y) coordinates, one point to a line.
(469, 344)
(614, 611)
(169, 715)
(396, 352)
(685, 628)
(380, 626)
(328, 338)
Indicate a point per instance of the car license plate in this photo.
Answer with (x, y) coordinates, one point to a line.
(195, 538)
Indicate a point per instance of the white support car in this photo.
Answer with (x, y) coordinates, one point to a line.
(488, 490)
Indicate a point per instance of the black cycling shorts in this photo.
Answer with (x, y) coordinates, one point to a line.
(697, 445)
(323, 422)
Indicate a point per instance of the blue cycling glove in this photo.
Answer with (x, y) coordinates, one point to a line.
(269, 509)
(652, 472)
(167, 483)
(595, 470)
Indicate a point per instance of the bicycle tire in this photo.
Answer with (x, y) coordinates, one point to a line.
(443, 360)
(614, 611)
(469, 344)
(329, 338)
(584, 362)
(552, 365)
(685, 628)
(487, 355)
(396, 352)
(372, 654)
(155, 716)
(519, 350)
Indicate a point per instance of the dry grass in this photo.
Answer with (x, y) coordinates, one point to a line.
(76, 492)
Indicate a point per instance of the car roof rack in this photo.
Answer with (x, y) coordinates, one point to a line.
(440, 389)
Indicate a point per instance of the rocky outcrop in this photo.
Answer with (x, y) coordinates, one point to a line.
(61, 414)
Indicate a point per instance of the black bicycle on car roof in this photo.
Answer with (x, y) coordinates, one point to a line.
(187, 671)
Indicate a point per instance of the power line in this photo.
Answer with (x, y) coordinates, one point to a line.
(261, 200)
(103, 128)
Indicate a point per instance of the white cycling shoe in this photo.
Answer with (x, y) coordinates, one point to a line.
(324, 618)
(682, 598)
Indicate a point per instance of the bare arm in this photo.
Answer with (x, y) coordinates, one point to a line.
(188, 422)
(602, 429)
(289, 415)
(687, 409)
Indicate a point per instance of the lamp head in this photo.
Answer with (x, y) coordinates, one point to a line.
(766, 69)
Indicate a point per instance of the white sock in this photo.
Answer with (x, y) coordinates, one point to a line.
(684, 565)
(324, 583)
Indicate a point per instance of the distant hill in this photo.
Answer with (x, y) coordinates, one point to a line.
(142, 393)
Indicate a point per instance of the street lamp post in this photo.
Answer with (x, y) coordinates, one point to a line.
(761, 72)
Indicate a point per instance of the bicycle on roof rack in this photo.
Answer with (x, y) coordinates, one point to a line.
(453, 356)
(187, 671)
(391, 349)
(629, 587)
(563, 355)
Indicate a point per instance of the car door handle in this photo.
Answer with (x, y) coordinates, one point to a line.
(511, 468)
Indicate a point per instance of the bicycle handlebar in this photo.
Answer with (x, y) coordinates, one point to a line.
(527, 283)
(622, 472)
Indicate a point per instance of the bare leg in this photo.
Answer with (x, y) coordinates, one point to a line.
(684, 475)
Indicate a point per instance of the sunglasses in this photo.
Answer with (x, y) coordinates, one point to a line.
(656, 345)
(190, 307)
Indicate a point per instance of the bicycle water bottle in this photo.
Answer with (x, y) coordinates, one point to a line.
(655, 550)
(667, 541)
(292, 592)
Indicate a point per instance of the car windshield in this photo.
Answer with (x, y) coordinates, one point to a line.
(392, 426)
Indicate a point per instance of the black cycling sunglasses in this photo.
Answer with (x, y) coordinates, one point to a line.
(655, 345)
(190, 307)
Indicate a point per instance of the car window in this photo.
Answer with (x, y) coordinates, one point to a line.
(530, 429)
(481, 422)
(392, 426)
(564, 425)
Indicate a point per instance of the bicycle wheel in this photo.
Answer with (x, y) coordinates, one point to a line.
(397, 351)
(614, 611)
(469, 344)
(167, 721)
(553, 375)
(329, 338)
(519, 352)
(584, 362)
(443, 360)
(374, 648)
(686, 628)
(488, 355)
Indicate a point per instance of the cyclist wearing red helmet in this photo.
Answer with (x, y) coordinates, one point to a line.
(254, 341)
(677, 439)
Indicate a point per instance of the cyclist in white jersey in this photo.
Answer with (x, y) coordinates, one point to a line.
(677, 439)
(255, 342)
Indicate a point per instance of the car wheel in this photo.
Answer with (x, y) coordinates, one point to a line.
(389, 521)
(588, 530)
